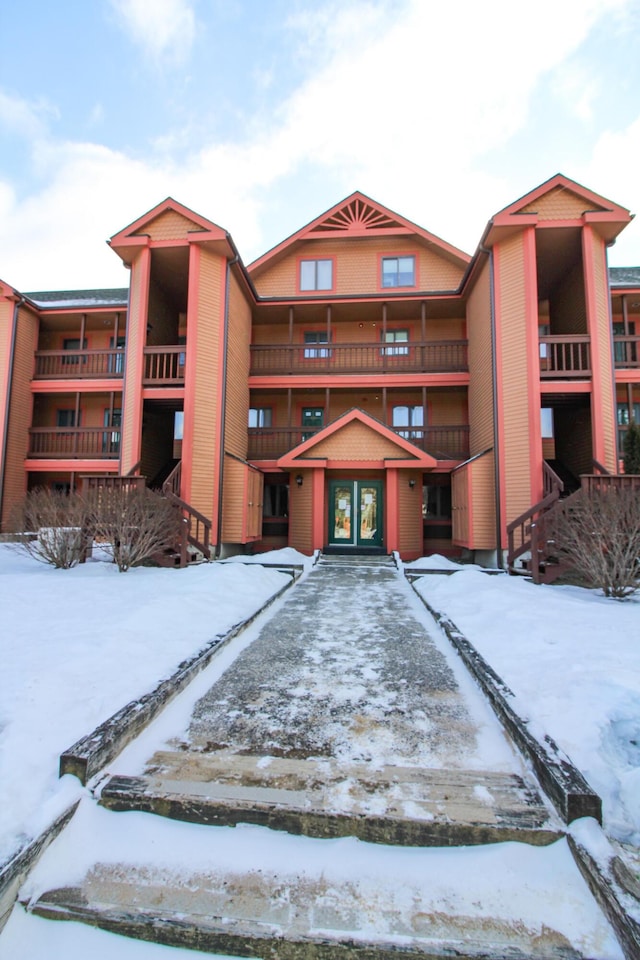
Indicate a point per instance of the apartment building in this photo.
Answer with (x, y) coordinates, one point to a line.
(363, 386)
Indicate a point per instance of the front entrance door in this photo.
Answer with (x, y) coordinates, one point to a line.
(355, 513)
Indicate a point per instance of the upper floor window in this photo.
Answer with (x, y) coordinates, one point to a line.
(398, 271)
(66, 418)
(408, 416)
(398, 337)
(73, 344)
(260, 417)
(315, 337)
(316, 274)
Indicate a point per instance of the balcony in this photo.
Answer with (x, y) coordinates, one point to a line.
(79, 364)
(164, 366)
(436, 356)
(564, 357)
(443, 443)
(74, 443)
(626, 351)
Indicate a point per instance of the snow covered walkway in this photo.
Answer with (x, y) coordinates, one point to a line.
(347, 717)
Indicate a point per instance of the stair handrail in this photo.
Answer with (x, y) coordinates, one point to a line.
(598, 468)
(550, 480)
(525, 525)
(196, 528)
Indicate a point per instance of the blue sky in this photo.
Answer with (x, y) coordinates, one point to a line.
(260, 114)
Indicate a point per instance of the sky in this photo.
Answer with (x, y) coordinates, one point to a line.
(261, 114)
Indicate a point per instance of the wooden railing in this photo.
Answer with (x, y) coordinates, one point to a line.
(110, 482)
(523, 533)
(443, 443)
(78, 364)
(432, 356)
(196, 528)
(164, 365)
(93, 443)
(566, 356)
(595, 482)
(626, 351)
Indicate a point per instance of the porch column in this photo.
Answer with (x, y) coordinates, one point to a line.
(424, 418)
(116, 323)
(328, 323)
(392, 510)
(385, 418)
(76, 435)
(317, 509)
(83, 327)
(290, 325)
(603, 427)
(327, 398)
(384, 337)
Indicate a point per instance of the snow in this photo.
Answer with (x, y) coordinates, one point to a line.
(572, 657)
(79, 644)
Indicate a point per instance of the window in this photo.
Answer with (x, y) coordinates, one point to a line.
(260, 417)
(546, 423)
(111, 441)
(624, 419)
(316, 274)
(408, 416)
(116, 361)
(73, 344)
(178, 425)
(65, 418)
(396, 337)
(316, 353)
(624, 351)
(398, 271)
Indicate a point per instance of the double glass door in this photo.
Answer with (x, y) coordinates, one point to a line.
(355, 513)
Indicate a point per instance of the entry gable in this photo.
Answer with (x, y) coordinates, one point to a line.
(168, 221)
(357, 437)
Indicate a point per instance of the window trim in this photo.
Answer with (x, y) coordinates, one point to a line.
(399, 256)
(320, 350)
(318, 292)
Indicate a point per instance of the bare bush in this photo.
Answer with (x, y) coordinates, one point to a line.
(134, 524)
(598, 534)
(51, 527)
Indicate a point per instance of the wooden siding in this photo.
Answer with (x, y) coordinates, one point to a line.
(92, 407)
(357, 267)
(255, 499)
(300, 505)
(6, 324)
(169, 225)
(603, 329)
(445, 406)
(573, 438)
(206, 375)
(481, 421)
(20, 410)
(559, 204)
(473, 503)
(136, 328)
(237, 411)
(233, 497)
(356, 441)
(436, 329)
(514, 375)
(409, 514)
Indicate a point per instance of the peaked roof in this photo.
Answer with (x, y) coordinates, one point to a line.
(198, 228)
(408, 453)
(359, 216)
(585, 206)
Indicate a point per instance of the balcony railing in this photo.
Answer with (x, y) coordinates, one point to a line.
(164, 365)
(73, 364)
(626, 351)
(435, 356)
(565, 356)
(443, 443)
(74, 443)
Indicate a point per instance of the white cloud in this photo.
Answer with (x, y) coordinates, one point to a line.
(164, 29)
(406, 109)
(25, 118)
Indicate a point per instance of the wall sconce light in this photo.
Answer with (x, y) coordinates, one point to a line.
(299, 479)
(412, 483)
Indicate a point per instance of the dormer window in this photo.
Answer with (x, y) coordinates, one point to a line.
(316, 275)
(398, 271)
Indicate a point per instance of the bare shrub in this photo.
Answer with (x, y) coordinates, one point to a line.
(134, 524)
(598, 534)
(51, 527)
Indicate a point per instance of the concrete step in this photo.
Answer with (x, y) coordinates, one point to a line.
(343, 901)
(321, 798)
